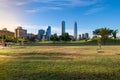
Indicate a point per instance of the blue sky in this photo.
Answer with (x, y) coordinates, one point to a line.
(38, 14)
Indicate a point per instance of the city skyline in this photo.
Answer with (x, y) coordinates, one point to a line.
(38, 14)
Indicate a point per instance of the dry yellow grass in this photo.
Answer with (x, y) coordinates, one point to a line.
(62, 51)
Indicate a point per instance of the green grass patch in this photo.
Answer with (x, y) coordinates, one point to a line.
(45, 63)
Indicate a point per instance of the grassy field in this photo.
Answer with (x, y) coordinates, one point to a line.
(60, 63)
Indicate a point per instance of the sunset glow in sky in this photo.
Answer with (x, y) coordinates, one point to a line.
(38, 14)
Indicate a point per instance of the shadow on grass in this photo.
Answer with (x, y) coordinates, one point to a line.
(75, 43)
(45, 56)
(47, 75)
(61, 70)
(89, 43)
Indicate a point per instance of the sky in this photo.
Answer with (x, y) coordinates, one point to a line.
(39, 14)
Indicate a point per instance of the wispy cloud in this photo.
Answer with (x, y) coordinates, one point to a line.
(21, 3)
(42, 9)
(69, 2)
(74, 3)
(94, 10)
(46, 4)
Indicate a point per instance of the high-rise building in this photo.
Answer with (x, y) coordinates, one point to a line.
(75, 30)
(83, 36)
(48, 33)
(86, 35)
(63, 27)
(20, 33)
(80, 37)
(41, 33)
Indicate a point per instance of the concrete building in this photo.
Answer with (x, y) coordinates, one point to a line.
(75, 31)
(41, 33)
(48, 33)
(20, 33)
(63, 27)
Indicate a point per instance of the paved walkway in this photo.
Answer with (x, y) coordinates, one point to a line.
(1, 46)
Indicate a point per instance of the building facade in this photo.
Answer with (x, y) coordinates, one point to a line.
(75, 31)
(20, 33)
(41, 33)
(48, 33)
(63, 27)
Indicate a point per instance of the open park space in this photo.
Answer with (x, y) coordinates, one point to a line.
(60, 63)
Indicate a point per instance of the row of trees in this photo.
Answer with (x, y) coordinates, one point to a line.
(102, 34)
(63, 37)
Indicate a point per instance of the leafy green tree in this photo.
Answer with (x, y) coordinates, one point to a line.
(31, 39)
(104, 33)
(54, 37)
(114, 33)
(65, 37)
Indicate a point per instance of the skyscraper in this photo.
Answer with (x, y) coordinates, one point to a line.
(48, 33)
(75, 30)
(63, 27)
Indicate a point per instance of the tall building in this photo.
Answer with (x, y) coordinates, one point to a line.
(48, 33)
(41, 33)
(20, 33)
(80, 37)
(63, 27)
(75, 30)
(86, 35)
(83, 36)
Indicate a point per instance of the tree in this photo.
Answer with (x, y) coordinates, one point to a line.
(65, 37)
(54, 37)
(103, 33)
(114, 33)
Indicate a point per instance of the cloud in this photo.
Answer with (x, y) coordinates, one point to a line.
(45, 4)
(80, 3)
(94, 10)
(42, 9)
(21, 3)
(69, 2)
(50, 2)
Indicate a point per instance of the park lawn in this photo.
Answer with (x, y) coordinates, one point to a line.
(60, 63)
